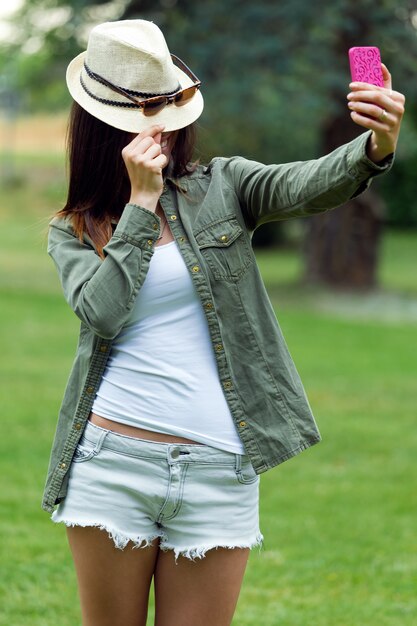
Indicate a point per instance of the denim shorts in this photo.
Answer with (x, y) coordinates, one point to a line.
(193, 497)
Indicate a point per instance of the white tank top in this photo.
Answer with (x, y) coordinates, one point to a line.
(161, 374)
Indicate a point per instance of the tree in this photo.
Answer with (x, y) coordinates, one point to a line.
(341, 247)
(277, 75)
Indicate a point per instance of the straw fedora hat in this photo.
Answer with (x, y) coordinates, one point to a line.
(128, 63)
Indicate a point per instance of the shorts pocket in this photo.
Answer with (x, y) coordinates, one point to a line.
(245, 473)
(84, 451)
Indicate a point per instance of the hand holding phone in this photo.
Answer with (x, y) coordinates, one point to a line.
(372, 102)
(365, 65)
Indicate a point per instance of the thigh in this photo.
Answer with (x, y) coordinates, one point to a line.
(113, 584)
(198, 593)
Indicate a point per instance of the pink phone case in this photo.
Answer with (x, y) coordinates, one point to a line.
(365, 65)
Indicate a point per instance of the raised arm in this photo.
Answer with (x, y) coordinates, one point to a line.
(276, 192)
(102, 292)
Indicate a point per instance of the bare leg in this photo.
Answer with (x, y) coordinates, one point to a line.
(113, 584)
(198, 593)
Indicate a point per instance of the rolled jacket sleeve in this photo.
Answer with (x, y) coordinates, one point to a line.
(276, 192)
(102, 291)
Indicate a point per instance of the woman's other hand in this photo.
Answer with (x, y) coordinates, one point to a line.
(144, 162)
(379, 109)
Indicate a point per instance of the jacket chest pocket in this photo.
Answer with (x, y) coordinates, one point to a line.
(225, 249)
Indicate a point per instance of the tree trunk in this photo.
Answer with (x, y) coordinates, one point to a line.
(341, 246)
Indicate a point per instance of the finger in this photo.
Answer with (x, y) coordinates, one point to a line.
(153, 151)
(143, 144)
(152, 131)
(379, 99)
(160, 162)
(369, 122)
(386, 77)
(149, 140)
(375, 112)
(143, 157)
(361, 87)
(134, 151)
(397, 96)
(365, 87)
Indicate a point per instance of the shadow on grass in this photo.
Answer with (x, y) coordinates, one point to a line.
(376, 305)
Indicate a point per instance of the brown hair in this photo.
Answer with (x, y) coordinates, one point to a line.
(99, 185)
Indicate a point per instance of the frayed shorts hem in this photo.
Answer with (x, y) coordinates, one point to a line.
(121, 540)
(199, 552)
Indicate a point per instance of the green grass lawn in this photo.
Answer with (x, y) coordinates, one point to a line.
(338, 520)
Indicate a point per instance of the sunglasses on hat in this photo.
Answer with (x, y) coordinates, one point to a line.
(153, 105)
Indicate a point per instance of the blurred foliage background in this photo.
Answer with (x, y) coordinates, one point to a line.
(275, 77)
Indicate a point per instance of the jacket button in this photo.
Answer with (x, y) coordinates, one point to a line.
(164, 188)
(150, 241)
(173, 218)
(155, 226)
(208, 305)
(242, 424)
(195, 268)
(90, 389)
(224, 238)
(227, 384)
(77, 426)
(62, 465)
(219, 347)
(103, 348)
(181, 239)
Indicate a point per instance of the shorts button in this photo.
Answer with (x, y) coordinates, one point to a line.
(175, 453)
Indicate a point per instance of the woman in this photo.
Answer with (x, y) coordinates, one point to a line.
(183, 390)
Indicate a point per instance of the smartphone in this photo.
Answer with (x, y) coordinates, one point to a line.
(365, 65)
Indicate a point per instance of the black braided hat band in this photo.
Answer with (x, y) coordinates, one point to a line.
(131, 92)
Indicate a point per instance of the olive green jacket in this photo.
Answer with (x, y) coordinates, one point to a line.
(212, 220)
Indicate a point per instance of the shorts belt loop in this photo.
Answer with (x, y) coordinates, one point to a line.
(100, 440)
(238, 462)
